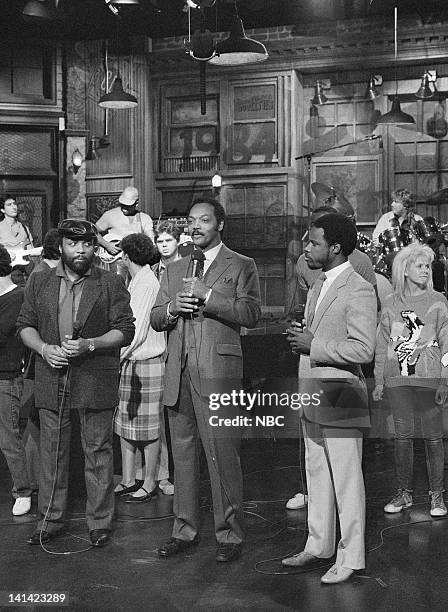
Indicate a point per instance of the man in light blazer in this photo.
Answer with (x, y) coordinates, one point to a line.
(339, 336)
(203, 317)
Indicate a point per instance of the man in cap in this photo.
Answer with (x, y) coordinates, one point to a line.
(123, 220)
(76, 317)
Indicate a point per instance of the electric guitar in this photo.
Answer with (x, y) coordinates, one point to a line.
(18, 255)
(104, 255)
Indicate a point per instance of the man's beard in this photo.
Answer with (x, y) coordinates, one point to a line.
(129, 211)
(78, 267)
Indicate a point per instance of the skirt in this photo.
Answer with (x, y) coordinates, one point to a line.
(139, 410)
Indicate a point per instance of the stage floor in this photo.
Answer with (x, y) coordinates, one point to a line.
(407, 562)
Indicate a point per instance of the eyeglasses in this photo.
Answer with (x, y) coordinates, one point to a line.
(77, 227)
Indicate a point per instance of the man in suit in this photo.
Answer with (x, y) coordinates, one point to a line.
(76, 318)
(339, 336)
(203, 317)
(307, 276)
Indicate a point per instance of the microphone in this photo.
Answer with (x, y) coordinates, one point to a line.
(198, 258)
(77, 327)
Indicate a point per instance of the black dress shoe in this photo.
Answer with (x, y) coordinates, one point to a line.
(39, 537)
(125, 490)
(176, 546)
(228, 552)
(100, 537)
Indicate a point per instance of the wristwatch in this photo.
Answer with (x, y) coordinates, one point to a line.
(91, 345)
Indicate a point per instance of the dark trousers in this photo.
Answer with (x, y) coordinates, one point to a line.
(96, 438)
(413, 406)
(189, 424)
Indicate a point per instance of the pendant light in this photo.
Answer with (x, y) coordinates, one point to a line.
(425, 92)
(238, 49)
(116, 98)
(395, 115)
(39, 10)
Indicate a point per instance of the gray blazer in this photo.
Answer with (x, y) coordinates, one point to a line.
(234, 302)
(344, 328)
(104, 305)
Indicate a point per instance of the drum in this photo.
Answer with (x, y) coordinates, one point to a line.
(381, 267)
(392, 240)
(365, 244)
(421, 231)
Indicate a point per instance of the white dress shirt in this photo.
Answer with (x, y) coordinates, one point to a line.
(330, 277)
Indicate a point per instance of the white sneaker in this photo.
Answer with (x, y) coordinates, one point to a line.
(298, 501)
(438, 507)
(22, 506)
(166, 487)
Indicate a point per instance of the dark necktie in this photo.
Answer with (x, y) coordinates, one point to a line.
(200, 269)
(315, 291)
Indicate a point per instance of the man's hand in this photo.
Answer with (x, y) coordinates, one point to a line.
(195, 288)
(55, 356)
(441, 394)
(74, 348)
(300, 340)
(111, 248)
(184, 303)
(377, 393)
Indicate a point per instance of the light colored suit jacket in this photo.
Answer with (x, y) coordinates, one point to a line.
(344, 329)
(234, 302)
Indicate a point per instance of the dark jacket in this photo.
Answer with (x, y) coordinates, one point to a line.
(104, 305)
(11, 347)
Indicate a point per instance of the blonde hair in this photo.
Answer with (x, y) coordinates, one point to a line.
(403, 259)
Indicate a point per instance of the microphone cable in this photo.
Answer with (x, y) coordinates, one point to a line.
(75, 335)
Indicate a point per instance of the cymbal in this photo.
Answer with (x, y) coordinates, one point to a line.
(438, 197)
(321, 190)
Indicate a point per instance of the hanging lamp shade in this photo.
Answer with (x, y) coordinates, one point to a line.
(424, 92)
(238, 49)
(38, 10)
(395, 115)
(319, 97)
(118, 98)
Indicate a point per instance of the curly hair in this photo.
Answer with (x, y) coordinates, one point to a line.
(50, 244)
(5, 262)
(338, 229)
(168, 227)
(403, 196)
(139, 248)
(3, 200)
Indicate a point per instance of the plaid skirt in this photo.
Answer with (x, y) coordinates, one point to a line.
(139, 410)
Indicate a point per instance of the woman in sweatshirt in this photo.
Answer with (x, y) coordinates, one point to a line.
(411, 362)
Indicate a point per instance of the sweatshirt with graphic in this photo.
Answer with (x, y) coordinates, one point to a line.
(412, 344)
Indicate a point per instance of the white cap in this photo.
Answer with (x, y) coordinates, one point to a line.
(129, 196)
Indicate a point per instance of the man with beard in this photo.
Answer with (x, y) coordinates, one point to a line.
(203, 301)
(123, 220)
(76, 318)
